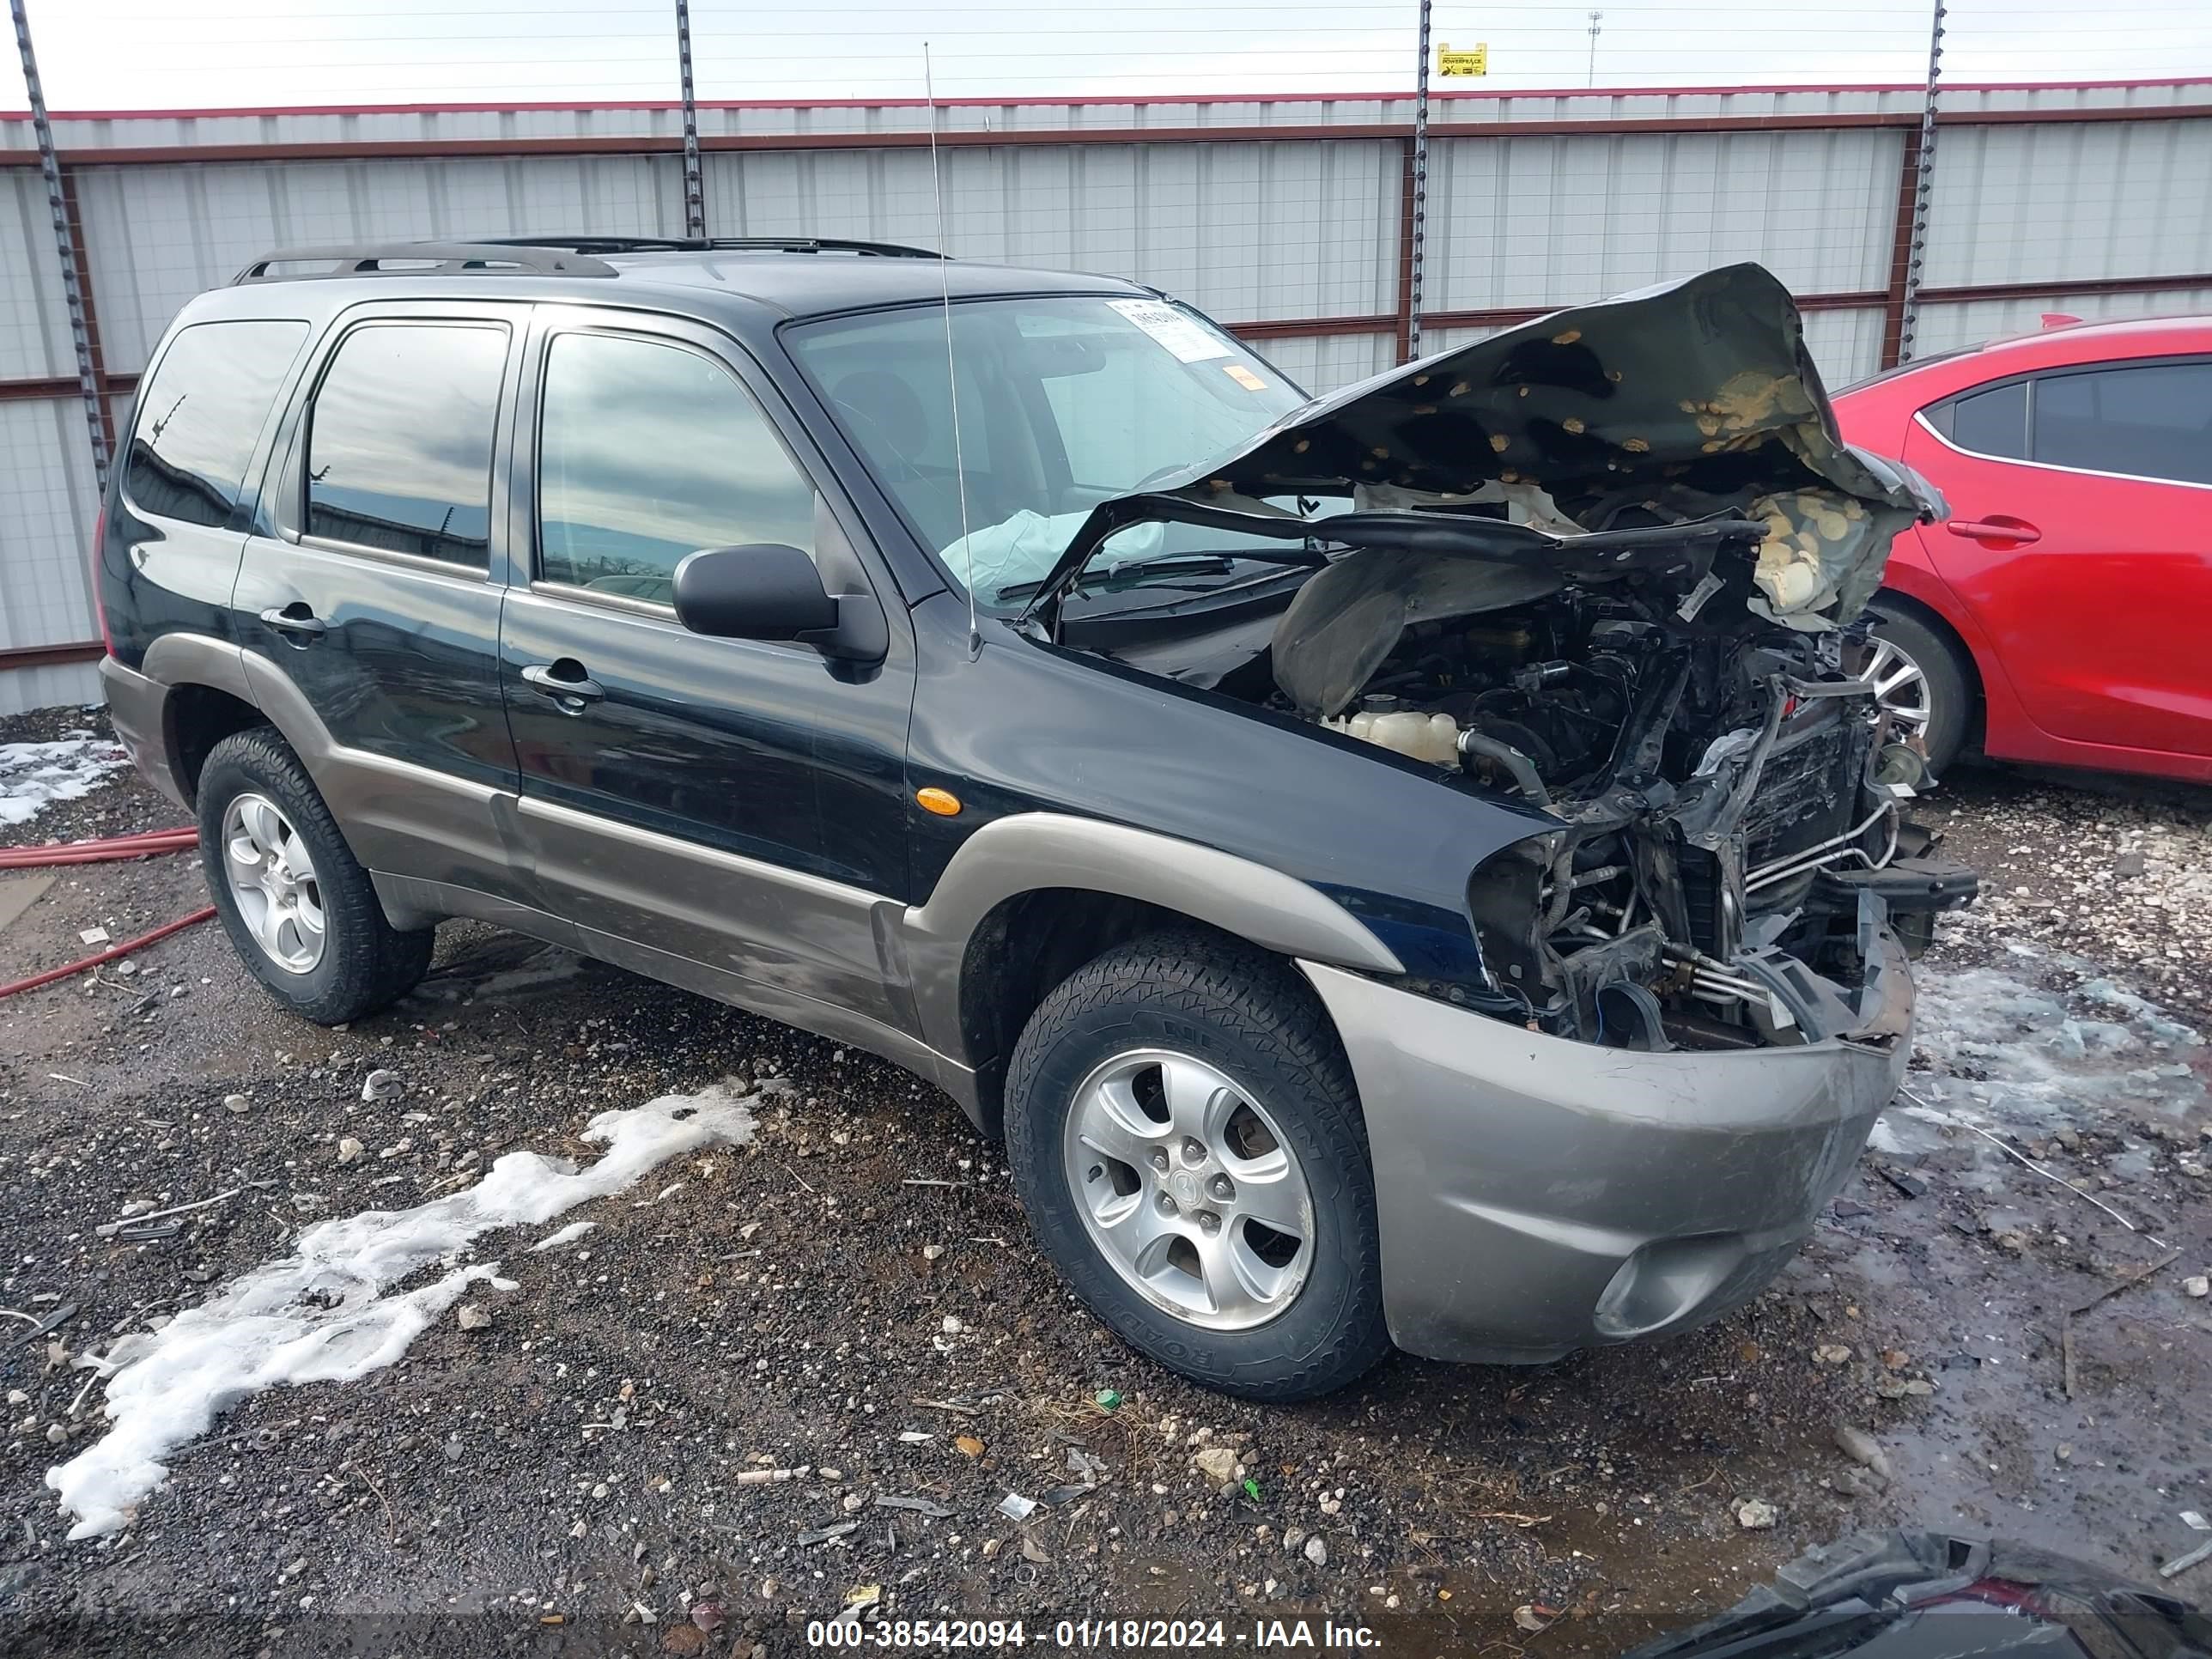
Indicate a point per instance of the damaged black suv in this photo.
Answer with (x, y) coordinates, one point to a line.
(1412, 865)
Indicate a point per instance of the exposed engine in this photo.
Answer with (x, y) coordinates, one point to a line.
(1612, 562)
(1726, 793)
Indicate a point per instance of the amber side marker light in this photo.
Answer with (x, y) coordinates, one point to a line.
(943, 802)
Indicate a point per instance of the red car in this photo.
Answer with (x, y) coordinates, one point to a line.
(2063, 613)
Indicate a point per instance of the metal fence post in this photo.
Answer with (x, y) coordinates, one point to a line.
(1417, 229)
(1924, 169)
(66, 251)
(695, 188)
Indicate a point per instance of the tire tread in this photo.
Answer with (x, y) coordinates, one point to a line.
(372, 963)
(1257, 999)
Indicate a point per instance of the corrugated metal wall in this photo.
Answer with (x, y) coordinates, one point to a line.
(1283, 214)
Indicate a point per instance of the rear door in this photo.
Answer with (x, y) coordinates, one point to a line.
(176, 528)
(732, 804)
(370, 597)
(2081, 537)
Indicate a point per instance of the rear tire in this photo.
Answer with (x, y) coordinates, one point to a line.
(320, 945)
(1946, 677)
(1212, 1066)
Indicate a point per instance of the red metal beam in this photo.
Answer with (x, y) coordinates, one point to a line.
(652, 144)
(63, 386)
(1305, 328)
(47, 656)
(85, 299)
(1407, 186)
(1402, 95)
(1900, 251)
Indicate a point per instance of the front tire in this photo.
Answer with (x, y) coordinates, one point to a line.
(1184, 1133)
(300, 909)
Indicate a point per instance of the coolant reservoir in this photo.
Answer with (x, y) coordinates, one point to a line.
(1430, 738)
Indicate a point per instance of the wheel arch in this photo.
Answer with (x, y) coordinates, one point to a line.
(1030, 899)
(1963, 654)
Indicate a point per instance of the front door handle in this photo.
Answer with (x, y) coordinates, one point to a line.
(297, 620)
(565, 681)
(1996, 528)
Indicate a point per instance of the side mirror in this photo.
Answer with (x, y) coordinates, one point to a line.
(762, 591)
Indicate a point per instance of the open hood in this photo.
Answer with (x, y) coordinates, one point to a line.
(1688, 403)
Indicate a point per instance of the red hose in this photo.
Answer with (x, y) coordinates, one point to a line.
(98, 852)
(93, 852)
(109, 955)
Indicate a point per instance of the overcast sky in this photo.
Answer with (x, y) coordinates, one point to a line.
(151, 54)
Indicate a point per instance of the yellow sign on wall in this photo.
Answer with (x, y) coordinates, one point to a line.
(1475, 61)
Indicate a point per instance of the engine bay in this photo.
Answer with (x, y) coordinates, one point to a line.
(1610, 564)
(1731, 802)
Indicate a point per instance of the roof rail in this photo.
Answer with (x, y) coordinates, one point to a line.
(720, 244)
(427, 259)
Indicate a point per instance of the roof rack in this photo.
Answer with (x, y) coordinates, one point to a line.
(721, 244)
(428, 258)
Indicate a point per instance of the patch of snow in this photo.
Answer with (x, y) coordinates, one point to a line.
(568, 1235)
(321, 1315)
(33, 775)
(2004, 1053)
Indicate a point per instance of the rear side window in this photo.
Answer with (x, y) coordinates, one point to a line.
(201, 416)
(2145, 421)
(649, 451)
(399, 441)
(1991, 422)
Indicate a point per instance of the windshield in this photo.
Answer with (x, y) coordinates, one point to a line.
(1065, 402)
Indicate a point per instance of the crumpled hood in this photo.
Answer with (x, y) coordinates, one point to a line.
(1677, 403)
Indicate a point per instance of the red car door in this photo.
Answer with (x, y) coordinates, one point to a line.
(2081, 537)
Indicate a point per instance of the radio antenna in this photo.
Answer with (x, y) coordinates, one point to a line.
(952, 369)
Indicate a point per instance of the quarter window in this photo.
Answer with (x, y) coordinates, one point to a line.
(1991, 422)
(2146, 421)
(201, 416)
(400, 440)
(649, 451)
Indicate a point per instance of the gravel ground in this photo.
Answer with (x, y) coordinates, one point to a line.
(852, 1297)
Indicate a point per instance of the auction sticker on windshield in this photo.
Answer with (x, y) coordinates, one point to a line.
(1184, 338)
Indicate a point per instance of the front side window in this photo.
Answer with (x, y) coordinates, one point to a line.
(200, 417)
(1065, 402)
(2146, 421)
(647, 451)
(399, 441)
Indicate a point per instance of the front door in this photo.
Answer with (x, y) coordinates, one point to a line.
(731, 803)
(368, 597)
(2080, 538)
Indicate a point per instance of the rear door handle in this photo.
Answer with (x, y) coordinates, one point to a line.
(571, 690)
(1998, 529)
(295, 618)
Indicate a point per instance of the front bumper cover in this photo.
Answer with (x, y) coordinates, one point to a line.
(1536, 1195)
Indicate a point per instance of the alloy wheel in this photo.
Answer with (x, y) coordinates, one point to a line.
(1189, 1189)
(1900, 686)
(272, 879)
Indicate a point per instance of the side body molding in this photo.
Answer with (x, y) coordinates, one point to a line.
(1028, 851)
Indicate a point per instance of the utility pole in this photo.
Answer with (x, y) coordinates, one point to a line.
(1923, 187)
(1417, 229)
(1595, 19)
(65, 250)
(695, 189)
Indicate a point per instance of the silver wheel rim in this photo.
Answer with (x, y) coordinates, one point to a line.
(1899, 686)
(273, 881)
(1189, 1189)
